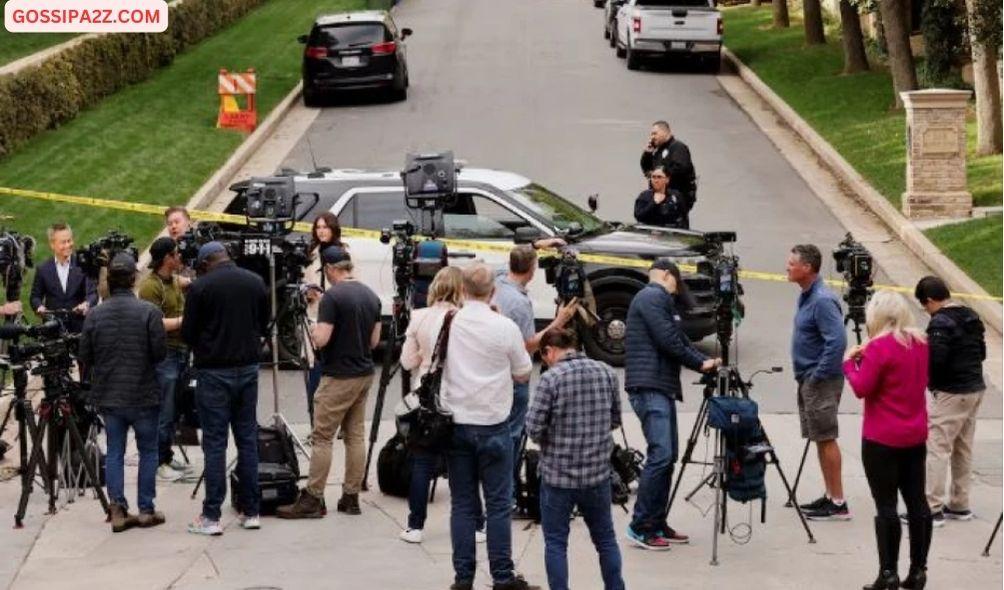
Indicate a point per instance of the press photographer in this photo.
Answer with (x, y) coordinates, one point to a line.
(60, 283)
(122, 342)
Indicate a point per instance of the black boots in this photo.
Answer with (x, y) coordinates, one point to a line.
(916, 580)
(887, 535)
(349, 504)
(920, 543)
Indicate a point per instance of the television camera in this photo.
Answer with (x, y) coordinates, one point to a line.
(723, 268)
(16, 254)
(856, 264)
(96, 255)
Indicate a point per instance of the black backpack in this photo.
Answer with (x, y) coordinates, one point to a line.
(528, 488)
(275, 446)
(394, 467)
(738, 420)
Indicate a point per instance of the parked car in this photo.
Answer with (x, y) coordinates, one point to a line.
(354, 51)
(669, 28)
(610, 9)
(490, 207)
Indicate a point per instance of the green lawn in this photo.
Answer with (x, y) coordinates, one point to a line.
(156, 142)
(17, 45)
(854, 114)
(976, 247)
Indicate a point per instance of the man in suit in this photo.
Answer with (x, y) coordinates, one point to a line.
(60, 284)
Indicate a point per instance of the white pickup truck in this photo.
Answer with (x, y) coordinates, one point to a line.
(650, 28)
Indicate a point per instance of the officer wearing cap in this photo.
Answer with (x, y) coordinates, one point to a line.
(122, 341)
(656, 347)
(163, 289)
(226, 316)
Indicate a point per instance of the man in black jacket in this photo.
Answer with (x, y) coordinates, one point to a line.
(955, 377)
(663, 149)
(226, 315)
(656, 347)
(122, 341)
(59, 283)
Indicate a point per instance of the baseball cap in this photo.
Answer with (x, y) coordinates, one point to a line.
(665, 264)
(208, 250)
(160, 248)
(122, 264)
(335, 255)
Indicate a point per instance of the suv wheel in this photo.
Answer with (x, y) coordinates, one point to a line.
(604, 341)
(311, 97)
(633, 59)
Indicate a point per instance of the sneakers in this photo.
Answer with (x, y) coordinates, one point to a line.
(183, 468)
(411, 535)
(671, 535)
(203, 526)
(306, 506)
(517, 583)
(480, 536)
(937, 518)
(651, 541)
(349, 504)
(815, 504)
(957, 514)
(167, 474)
(250, 523)
(149, 519)
(120, 518)
(830, 510)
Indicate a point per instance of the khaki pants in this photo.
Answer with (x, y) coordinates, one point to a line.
(339, 402)
(951, 427)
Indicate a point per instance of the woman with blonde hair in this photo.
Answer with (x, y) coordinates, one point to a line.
(445, 295)
(890, 374)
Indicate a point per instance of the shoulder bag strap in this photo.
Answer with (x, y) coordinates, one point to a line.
(439, 352)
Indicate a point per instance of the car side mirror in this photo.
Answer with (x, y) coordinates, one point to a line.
(302, 39)
(527, 235)
(406, 32)
(594, 202)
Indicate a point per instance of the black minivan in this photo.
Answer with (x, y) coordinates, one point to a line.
(354, 51)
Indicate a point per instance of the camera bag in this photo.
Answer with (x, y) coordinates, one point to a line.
(276, 484)
(394, 467)
(421, 419)
(745, 463)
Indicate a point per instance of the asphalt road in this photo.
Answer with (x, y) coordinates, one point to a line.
(532, 87)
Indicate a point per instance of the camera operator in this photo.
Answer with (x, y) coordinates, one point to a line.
(122, 342)
(486, 354)
(513, 302)
(663, 149)
(660, 205)
(347, 330)
(656, 347)
(59, 283)
(817, 348)
(576, 405)
(226, 316)
(163, 289)
(957, 351)
(326, 231)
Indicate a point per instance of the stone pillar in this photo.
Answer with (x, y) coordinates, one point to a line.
(936, 154)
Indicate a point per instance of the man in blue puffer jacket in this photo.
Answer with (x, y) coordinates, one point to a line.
(656, 348)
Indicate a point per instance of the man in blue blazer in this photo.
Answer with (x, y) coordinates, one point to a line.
(60, 284)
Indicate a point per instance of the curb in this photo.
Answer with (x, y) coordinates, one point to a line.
(34, 59)
(991, 312)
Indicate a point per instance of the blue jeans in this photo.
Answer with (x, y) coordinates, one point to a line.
(556, 505)
(144, 425)
(169, 371)
(657, 413)
(424, 468)
(481, 455)
(229, 398)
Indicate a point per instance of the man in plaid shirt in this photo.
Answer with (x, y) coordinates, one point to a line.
(576, 405)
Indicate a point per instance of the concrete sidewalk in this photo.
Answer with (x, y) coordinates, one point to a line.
(75, 548)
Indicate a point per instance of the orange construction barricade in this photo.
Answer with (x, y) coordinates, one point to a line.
(230, 87)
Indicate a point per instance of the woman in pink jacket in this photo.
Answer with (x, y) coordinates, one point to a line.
(890, 374)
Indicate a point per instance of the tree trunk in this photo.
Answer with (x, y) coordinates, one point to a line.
(897, 39)
(883, 49)
(755, 2)
(780, 10)
(987, 88)
(855, 59)
(813, 15)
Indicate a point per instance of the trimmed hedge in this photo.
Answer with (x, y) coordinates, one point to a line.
(46, 96)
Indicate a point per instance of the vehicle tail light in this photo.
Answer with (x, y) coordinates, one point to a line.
(316, 52)
(721, 27)
(384, 48)
(636, 24)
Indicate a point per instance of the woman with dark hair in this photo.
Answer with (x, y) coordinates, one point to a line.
(325, 232)
(660, 205)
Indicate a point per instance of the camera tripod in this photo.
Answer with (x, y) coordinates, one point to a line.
(727, 382)
(55, 410)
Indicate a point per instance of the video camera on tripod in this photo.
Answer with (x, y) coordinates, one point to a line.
(99, 253)
(855, 262)
(16, 254)
(723, 268)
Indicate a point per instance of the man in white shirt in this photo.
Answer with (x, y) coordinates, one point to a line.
(485, 355)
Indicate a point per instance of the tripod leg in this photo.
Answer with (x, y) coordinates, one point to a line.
(386, 376)
(688, 452)
(784, 480)
(798, 476)
(37, 462)
(78, 444)
(719, 516)
(993, 535)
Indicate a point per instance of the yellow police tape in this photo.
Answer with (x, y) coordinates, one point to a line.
(352, 232)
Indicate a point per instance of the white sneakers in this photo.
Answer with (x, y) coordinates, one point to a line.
(480, 537)
(252, 523)
(411, 535)
(166, 473)
(204, 526)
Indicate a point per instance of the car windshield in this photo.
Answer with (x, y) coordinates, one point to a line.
(554, 209)
(351, 35)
